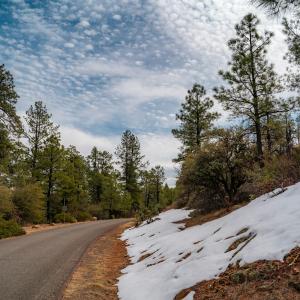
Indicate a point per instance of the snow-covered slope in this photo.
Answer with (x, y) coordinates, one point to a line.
(175, 259)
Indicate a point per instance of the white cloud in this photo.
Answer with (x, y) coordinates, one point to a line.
(84, 142)
(117, 17)
(84, 23)
(203, 29)
(118, 75)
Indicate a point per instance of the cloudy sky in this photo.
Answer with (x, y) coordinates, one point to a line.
(103, 66)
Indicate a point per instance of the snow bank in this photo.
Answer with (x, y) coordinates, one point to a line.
(166, 259)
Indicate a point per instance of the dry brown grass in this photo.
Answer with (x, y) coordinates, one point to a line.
(97, 273)
(262, 280)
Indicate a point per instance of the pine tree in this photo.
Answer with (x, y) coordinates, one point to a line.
(51, 167)
(152, 183)
(196, 120)
(6, 146)
(277, 6)
(100, 161)
(158, 175)
(131, 163)
(72, 185)
(298, 129)
(8, 101)
(292, 31)
(251, 79)
(100, 166)
(40, 127)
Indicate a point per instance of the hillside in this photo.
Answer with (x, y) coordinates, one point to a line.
(168, 258)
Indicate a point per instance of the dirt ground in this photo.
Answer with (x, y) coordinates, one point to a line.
(96, 275)
(262, 280)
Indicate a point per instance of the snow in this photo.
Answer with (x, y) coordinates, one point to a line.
(178, 259)
(190, 296)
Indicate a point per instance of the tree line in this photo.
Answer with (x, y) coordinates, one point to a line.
(43, 181)
(259, 151)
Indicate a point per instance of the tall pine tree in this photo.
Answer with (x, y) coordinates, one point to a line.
(196, 120)
(39, 128)
(130, 160)
(51, 160)
(100, 165)
(251, 80)
(8, 101)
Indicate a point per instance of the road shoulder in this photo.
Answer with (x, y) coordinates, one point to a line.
(96, 275)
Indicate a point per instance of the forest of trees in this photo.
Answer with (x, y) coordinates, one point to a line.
(43, 181)
(223, 166)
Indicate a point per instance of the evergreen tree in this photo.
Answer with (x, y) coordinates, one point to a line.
(158, 175)
(278, 6)
(292, 31)
(6, 146)
(112, 196)
(298, 129)
(214, 174)
(8, 101)
(51, 166)
(252, 80)
(131, 163)
(196, 120)
(152, 182)
(100, 161)
(100, 166)
(73, 181)
(146, 184)
(40, 127)
(168, 195)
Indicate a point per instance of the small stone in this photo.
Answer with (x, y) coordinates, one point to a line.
(295, 285)
(265, 288)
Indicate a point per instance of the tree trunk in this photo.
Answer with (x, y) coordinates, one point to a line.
(269, 137)
(259, 145)
(257, 116)
(50, 185)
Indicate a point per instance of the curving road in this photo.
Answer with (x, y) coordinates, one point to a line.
(37, 266)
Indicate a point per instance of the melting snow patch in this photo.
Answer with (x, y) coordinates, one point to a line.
(267, 228)
(190, 296)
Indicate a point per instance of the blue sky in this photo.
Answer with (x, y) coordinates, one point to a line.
(103, 66)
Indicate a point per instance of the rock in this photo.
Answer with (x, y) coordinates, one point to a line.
(265, 288)
(35, 226)
(295, 285)
(52, 224)
(94, 218)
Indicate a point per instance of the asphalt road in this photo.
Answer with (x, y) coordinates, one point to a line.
(36, 266)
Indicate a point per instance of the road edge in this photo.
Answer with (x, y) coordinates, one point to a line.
(92, 255)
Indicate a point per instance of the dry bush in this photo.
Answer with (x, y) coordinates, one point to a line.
(281, 171)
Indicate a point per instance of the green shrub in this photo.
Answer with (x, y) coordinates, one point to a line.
(96, 210)
(6, 204)
(82, 216)
(29, 201)
(64, 217)
(10, 228)
(146, 214)
(278, 172)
